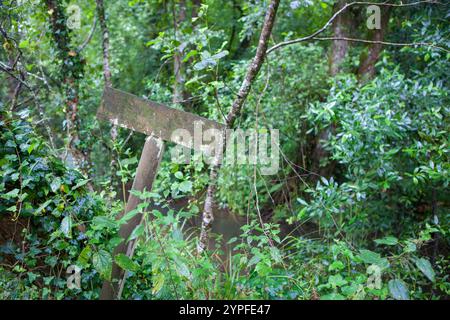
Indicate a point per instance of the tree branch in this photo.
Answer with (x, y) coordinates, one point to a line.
(345, 7)
(397, 44)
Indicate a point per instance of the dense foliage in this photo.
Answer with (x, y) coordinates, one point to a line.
(368, 219)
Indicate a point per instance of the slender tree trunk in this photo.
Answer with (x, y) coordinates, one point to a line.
(366, 69)
(178, 67)
(339, 49)
(105, 42)
(107, 77)
(195, 6)
(252, 72)
(71, 72)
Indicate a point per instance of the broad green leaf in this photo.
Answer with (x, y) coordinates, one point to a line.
(398, 289)
(333, 296)
(126, 263)
(336, 281)
(137, 232)
(425, 266)
(80, 184)
(85, 255)
(55, 184)
(336, 265)
(102, 262)
(129, 215)
(389, 241)
(42, 207)
(371, 257)
(66, 226)
(185, 186)
(103, 222)
(12, 194)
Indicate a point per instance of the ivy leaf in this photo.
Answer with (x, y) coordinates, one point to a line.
(12, 194)
(126, 263)
(425, 266)
(398, 290)
(80, 184)
(102, 262)
(66, 226)
(42, 207)
(55, 184)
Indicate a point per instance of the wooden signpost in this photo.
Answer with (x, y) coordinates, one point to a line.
(158, 122)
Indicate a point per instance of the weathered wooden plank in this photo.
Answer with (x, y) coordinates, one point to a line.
(134, 113)
(145, 175)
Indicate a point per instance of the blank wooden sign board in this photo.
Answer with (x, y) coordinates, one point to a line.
(158, 122)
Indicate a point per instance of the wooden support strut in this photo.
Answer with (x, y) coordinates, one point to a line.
(145, 175)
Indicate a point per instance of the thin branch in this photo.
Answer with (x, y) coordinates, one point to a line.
(89, 37)
(345, 7)
(397, 44)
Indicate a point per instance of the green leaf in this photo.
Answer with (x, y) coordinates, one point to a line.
(55, 184)
(126, 263)
(371, 257)
(410, 247)
(333, 296)
(128, 216)
(42, 207)
(190, 54)
(66, 226)
(185, 186)
(80, 184)
(389, 241)
(83, 258)
(336, 281)
(158, 283)
(425, 266)
(24, 44)
(102, 262)
(398, 289)
(101, 222)
(137, 232)
(179, 175)
(12, 194)
(336, 265)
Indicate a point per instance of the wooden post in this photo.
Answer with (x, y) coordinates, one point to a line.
(145, 175)
(158, 122)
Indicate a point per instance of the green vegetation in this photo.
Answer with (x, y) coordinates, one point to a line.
(359, 208)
